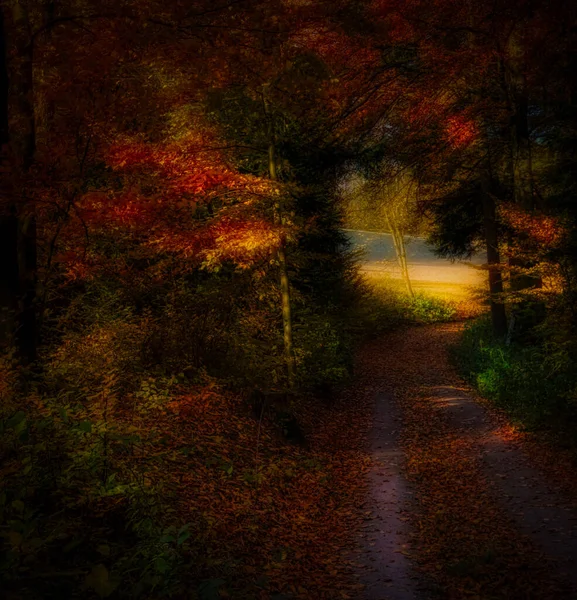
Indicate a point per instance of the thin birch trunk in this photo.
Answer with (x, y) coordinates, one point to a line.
(401, 252)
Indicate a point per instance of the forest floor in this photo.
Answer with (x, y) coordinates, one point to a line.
(461, 504)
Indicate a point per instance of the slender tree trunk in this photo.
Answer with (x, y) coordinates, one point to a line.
(401, 252)
(8, 219)
(28, 260)
(284, 280)
(9, 284)
(498, 315)
(405, 264)
(21, 152)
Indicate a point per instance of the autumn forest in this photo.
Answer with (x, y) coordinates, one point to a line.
(288, 299)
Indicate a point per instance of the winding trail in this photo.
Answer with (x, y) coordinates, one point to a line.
(457, 507)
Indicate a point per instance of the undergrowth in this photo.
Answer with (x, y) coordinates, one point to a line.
(132, 465)
(428, 309)
(388, 306)
(536, 384)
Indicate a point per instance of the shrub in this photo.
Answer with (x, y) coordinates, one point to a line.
(528, 381)
(323, 353)
(77, 492)
(428, 309)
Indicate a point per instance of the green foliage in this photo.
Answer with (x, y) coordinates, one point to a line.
(385, 304)
(536, 384)
(72, 500)
(85, 506)
(428, 309)
(456, 221)
(323, 353)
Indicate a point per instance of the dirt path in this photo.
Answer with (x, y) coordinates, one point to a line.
(458, 510)
(386, 570)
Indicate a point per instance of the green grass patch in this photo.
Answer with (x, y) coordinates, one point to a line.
(429, 309)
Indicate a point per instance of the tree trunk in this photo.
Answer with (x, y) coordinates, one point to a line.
(27, 334)
(498, 315)
(9, 284)
(404, 263)
(521, 161)
(401, 252)
(284, 280)
(8, 219)
(19, 280)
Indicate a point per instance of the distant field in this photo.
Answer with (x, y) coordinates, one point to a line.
(441, 289)
(435, 270)
(462, 283)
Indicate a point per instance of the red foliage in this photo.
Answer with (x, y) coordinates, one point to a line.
(189, 167)
(460, 131)
(164, 185)
(543, 230)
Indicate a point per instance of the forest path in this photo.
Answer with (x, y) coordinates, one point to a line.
(455, 501)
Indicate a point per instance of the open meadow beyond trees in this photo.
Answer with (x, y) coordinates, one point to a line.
(288, 299)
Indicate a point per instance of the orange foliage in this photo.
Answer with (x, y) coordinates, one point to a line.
(460, 131)
(164, 186)
(543, 230)
(189, 167)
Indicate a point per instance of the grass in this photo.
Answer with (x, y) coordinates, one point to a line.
(433, 302)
